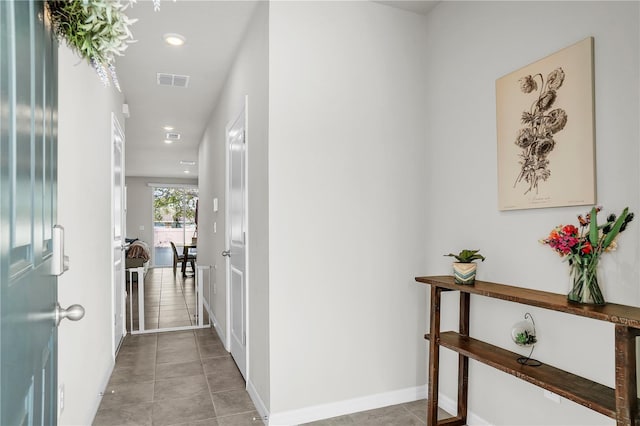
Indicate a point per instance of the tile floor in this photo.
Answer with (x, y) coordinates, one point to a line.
(187, 378)
(169, 301)
(409, 414)
(176, 378)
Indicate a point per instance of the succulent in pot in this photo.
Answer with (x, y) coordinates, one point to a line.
(464, 270)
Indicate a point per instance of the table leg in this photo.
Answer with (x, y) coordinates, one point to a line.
(626, 390)
(434, 357)
(463, 361)
(185, 255)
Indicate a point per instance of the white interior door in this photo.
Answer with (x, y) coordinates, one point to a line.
(236, 240)
(117, 138)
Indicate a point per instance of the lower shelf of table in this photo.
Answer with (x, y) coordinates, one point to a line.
(591, 394)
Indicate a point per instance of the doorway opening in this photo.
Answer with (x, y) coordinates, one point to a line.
(174, 221)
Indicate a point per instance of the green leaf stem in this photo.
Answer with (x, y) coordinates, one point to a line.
(593, 228)
(608, 239)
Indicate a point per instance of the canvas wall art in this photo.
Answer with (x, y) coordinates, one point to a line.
(545, 130)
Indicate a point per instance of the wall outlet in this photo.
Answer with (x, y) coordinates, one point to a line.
(60, 398)
(552, 396)
(141, 227)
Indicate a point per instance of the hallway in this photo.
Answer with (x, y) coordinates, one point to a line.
(176, 378)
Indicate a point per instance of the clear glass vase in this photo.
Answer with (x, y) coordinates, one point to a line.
(583, 281)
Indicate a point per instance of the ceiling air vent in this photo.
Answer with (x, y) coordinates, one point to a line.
(172, 136)
(172, 80)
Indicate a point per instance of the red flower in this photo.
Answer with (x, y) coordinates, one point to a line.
(586, 248)
(570, 230)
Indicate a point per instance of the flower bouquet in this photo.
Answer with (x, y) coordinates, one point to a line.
(582, 248)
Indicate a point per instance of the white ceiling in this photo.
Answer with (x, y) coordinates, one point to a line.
(213, 31)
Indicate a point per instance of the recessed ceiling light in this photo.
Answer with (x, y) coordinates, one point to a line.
(187, 163)
(187, 171)
(168, 128)
(167, 141)
(174, 39)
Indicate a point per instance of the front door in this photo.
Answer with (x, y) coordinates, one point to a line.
(236, 240)
(28, 161)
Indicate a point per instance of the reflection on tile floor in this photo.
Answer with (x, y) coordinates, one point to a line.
(169, 301)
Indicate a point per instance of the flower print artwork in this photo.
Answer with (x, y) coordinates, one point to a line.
(545, 131)
(541, 124)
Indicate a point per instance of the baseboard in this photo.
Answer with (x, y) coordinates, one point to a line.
(349, 406)
(216, 326)
(451, 406)
(257, 401)
(207, 307)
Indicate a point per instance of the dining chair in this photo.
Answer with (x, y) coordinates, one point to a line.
(179, 258)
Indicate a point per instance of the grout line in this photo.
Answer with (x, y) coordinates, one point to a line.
(413, 414)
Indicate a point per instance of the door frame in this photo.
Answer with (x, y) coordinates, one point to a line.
(227, 235)
(116, 127)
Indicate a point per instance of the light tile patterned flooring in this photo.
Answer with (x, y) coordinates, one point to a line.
(169, 301)
(409, 414)
(176, 378)
(187, 378)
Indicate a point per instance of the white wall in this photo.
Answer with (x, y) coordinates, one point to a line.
(248, 76)
(347, 208)
(469, 46)
(140, 206)
(85, 357)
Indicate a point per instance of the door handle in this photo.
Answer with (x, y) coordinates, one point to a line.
(73, 313)
(226, 253)
(59, 262)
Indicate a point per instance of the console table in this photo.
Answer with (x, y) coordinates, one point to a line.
(620, 403)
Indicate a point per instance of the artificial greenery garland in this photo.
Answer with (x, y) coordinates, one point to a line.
(97, 30)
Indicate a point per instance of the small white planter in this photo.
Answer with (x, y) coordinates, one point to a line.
(464, 273)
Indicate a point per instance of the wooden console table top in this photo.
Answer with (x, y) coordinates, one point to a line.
(611, 312)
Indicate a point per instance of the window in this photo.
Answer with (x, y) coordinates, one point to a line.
(174, 214)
